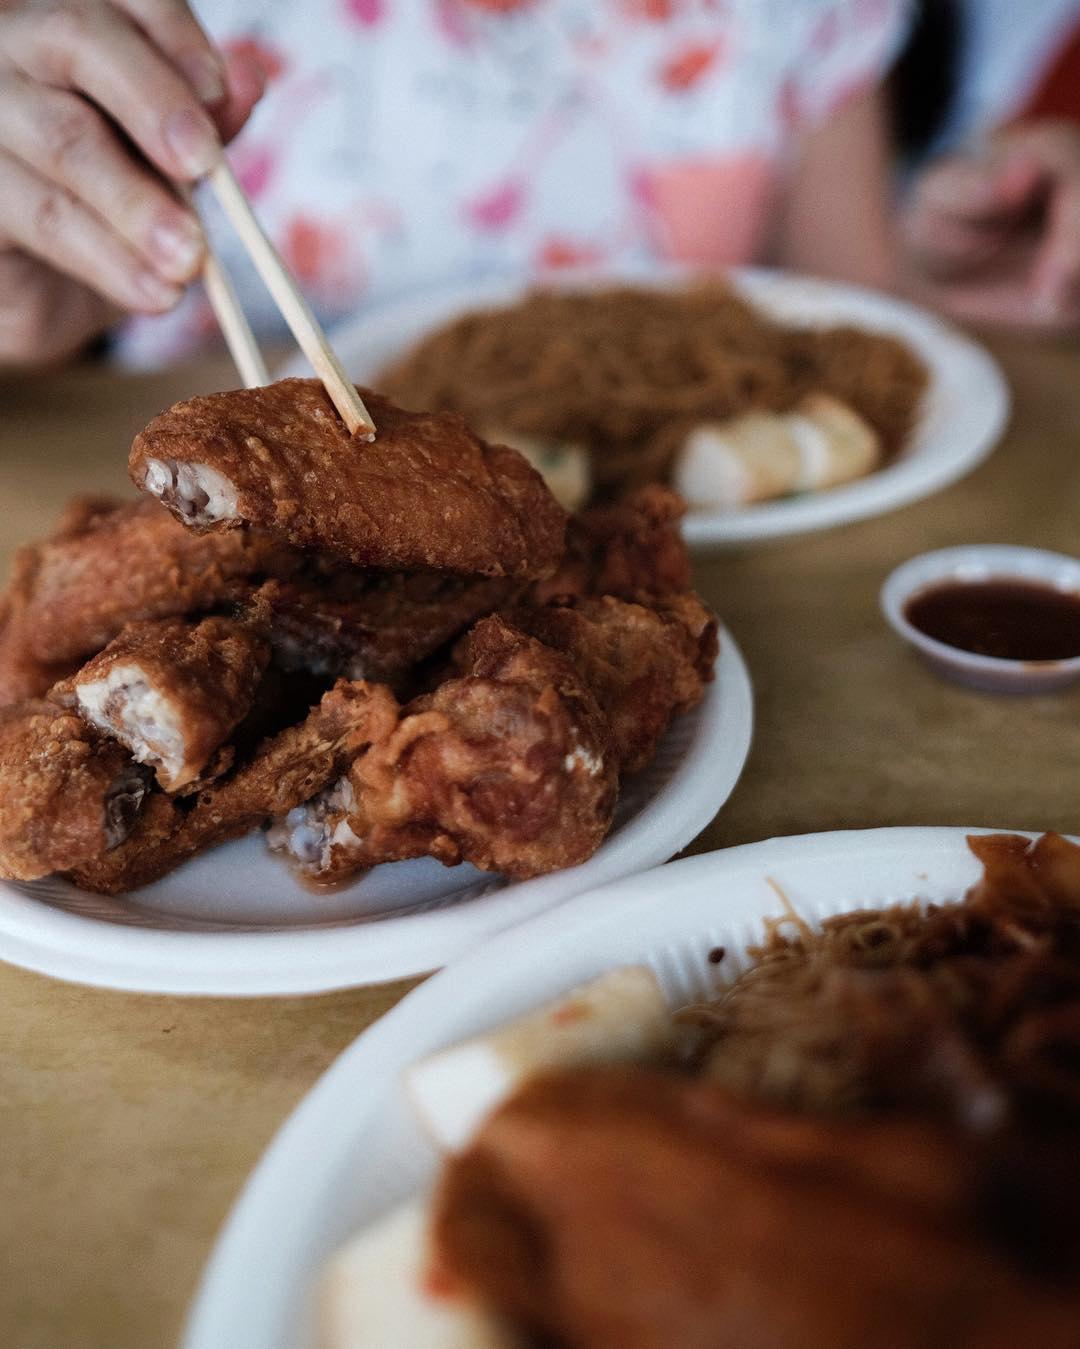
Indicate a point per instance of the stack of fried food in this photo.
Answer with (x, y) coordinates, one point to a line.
(380, 651)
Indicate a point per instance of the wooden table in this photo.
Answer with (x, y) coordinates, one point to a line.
(128, 1123)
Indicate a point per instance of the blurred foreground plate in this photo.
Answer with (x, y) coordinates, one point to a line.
(353, 1148)
(964, 412)
(236, 922)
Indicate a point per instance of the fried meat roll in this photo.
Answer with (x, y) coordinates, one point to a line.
(283, 771)
(427, 493)
(171, 692)
(67, 794)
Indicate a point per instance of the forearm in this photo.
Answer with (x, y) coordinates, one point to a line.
(836, 217)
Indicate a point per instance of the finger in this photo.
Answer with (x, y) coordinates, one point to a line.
(1009, 307)
(45, 317)
(95, 50)
(980, 191)
(177, 33)
(944, 246)
(47, 222)
(1056, 274)
(67, 141)
(246, 84)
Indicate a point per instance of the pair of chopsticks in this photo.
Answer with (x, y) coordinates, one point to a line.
(295, 310)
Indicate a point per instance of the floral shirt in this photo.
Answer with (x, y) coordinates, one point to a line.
(408, 143)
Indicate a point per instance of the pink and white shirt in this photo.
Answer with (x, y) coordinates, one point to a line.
(408, 143)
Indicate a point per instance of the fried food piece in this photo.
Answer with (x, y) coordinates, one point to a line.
(21, 676)
(290, 767)
(114, 564)
(646, 664)
(67, 794)
(360, 625)
(631, 548)
(427, 493)
(628, 1209)
(172, 692)
(507, 766)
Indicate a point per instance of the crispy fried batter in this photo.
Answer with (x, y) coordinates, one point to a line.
(513, 765)
(67, 794)
(511, 762)
(645, 664)
(361, 625)
(427, 493)
(620, 1208)
(114, 564)
(507, 767)
(291, 767)
(21, 676)
(171, 692)
(628, 549)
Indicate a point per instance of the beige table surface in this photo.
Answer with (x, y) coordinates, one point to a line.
(128, 1123)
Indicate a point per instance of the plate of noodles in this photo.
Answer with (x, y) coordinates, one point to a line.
(776, 404)
(819, 976)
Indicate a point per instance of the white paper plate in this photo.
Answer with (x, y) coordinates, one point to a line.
(964, 411)
(235, 922)
(352, 1148)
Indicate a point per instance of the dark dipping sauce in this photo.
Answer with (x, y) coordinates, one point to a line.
(1012, 620)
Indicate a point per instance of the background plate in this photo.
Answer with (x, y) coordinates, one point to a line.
(352, 1148)
(964, 411)
(235, 922)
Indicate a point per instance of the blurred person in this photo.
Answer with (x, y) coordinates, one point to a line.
(992, 218)
(408, 143)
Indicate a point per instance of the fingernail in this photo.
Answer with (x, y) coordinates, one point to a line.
(178, 245)
(204, 75)
(155, 293)
(192, 140)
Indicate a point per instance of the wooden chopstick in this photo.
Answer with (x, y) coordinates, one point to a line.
(231, 318)
(234, 325)
(294, 308)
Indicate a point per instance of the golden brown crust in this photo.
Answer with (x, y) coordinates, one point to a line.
(66, 793)
(427, 493)
(21, 676)
(291, 767)
(114, 564)
(629, 548)
(507, 767)
(361, 625)
(513, 762)
(621, 1208)
(646, 663)
(202, 676)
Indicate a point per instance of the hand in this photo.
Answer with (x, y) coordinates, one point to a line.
(101, 103)
(995, 237)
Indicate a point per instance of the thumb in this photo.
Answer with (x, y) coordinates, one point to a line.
(245, 84)
(982, 190)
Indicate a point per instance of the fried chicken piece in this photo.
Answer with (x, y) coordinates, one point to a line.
(67, 794)
(629, 549)
(628, 1209)
(114, 564)
(363, 625)
(290, 767)
(507, 766)
(427, 493)
(172, 692)
(646, 664)
(21, 676)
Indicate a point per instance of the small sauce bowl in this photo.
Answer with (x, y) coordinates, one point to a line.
(969, 565)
